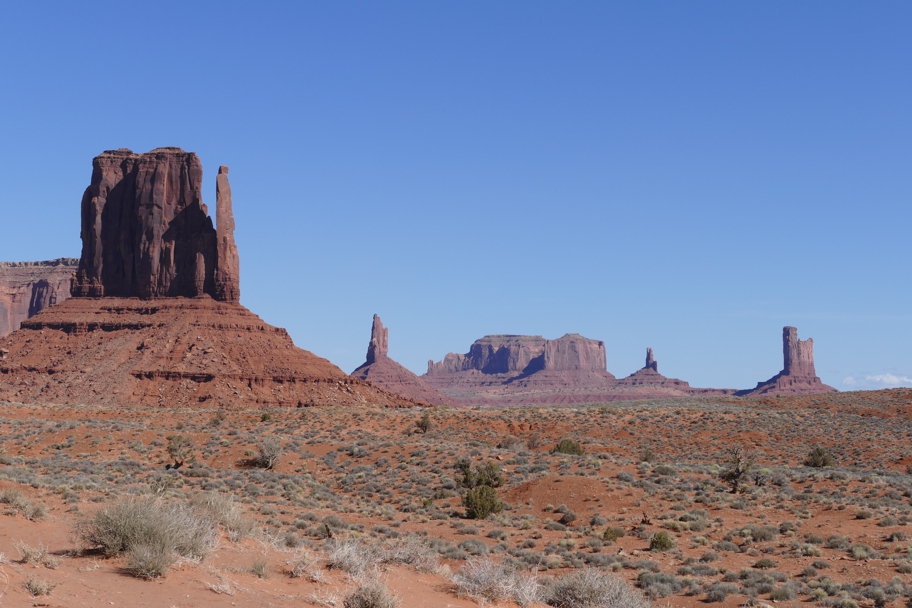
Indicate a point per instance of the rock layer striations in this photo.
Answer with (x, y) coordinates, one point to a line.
(27, 288)
(389, 375)
(798, 376)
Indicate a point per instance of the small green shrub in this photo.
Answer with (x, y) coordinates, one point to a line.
(568, 446)
(424, 424)
(481, 502)
(373, 594)
(661, 542)
(819, 458)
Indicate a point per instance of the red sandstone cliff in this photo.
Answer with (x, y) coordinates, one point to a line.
(146, 232)
(26, 288)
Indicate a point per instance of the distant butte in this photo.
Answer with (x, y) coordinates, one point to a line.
(649, 376)
(27, 288)
(382, 371)
(530, 370)
(798, 376)
(154, 318)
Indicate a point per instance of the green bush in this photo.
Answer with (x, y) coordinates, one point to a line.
(486, 475)
(481, 502)
(819, 458)
(661, 542)
(568, 446)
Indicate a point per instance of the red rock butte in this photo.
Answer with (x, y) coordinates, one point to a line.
(154, 318)
(798, 376)
(382, 371)
(27, 288)
(531, 370)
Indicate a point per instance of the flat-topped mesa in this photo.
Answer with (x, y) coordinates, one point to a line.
(798, 376)
(378, 347)
(27, 288)
(573, 352)
(146, 232)
(385, 373)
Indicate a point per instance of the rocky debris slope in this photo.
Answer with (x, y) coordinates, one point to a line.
(27, 288)
(169, 352)
(131, 336)
(389, 375)
(146, 232)
(798, 376)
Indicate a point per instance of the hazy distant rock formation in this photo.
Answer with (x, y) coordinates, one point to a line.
(798, 376)
(27, 288)
(530, 370)
(382, 371)
(154, 319)
(146, 232)
(649, 376)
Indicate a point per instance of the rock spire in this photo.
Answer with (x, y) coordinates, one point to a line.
(378, 348)
(651, 363)
(798, 376)
(227, 266)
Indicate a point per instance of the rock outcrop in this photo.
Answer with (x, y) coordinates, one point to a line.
(530, 370)
(154, 319)
(798, 376)
(146, 232)
(389, 375)
(26, 288)
(649, 376)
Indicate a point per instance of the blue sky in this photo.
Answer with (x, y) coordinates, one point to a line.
(686, 176)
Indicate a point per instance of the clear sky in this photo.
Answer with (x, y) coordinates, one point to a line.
(690, 176)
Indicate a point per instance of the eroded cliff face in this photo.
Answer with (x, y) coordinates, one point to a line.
(798, 376)
(146, 232)
(26, 288)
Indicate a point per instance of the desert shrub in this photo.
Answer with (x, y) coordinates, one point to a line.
(372, 594)
(481, 502)
(38, 586)
(259, 568)
(268, 453)
(17, 502)
(765, 563)
(591, 588)
(353, 556)
(720, 591)
(424, 424)
(485, 475)
(737, 468)
(413, 551)
(227, 513)
(782, 594)
(664, 469)
(180, 449)
(151, 532)
(485, 580)
(660, 542)
(863, 514)
(266, 417)
(658, 585)
(819, 458)
(611, 534)
(473, 546)
(762, 533)
(568, 446)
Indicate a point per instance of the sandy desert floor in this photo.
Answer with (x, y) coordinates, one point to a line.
(361, 494)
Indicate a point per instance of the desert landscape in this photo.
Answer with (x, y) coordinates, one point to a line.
(163, 446)
(500, 304)
(700, 501)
